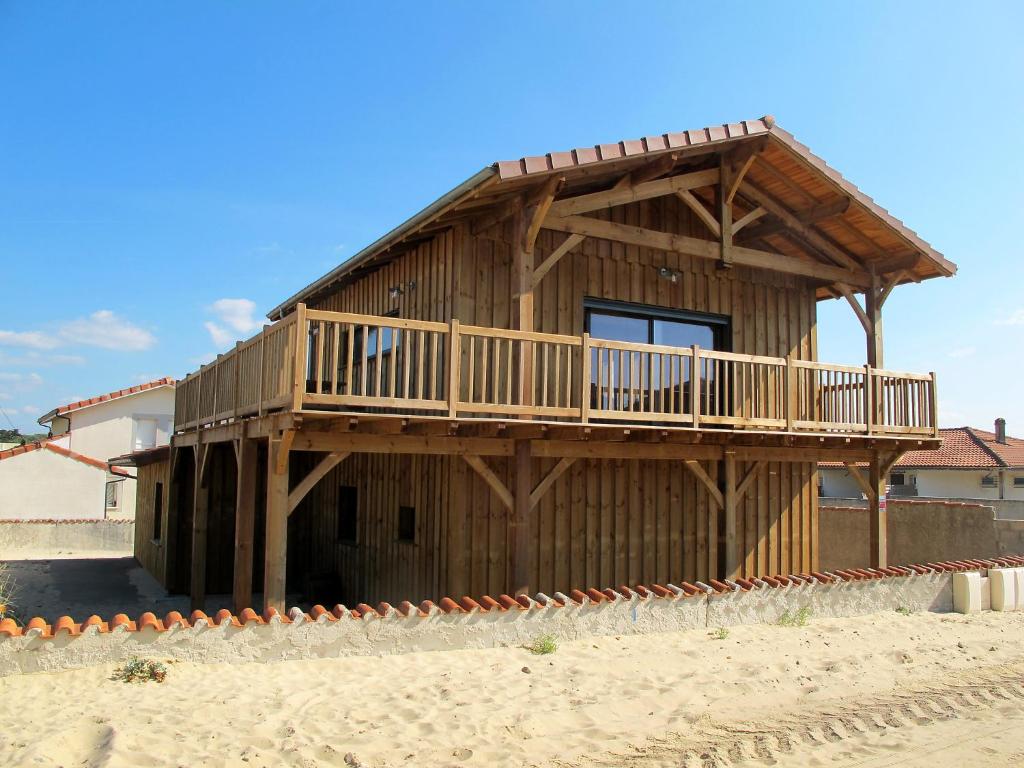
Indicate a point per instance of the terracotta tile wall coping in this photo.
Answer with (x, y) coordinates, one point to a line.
(38, 627)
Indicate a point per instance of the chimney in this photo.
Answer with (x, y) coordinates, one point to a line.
(1001, 431)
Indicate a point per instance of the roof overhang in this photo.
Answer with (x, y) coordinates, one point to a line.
(142, 458)
(828, 208)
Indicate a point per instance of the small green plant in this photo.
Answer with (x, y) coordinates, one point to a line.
(137, 670)
(543, 645)
(798, 619)
(904, 610)
(720, 634)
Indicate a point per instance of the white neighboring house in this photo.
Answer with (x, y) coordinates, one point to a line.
(971, 464)
(67, 476)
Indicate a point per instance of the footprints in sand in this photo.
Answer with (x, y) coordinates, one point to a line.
(717, 744)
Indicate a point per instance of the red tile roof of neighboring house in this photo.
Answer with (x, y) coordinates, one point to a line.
(962, 448)
(50, 445)
(166, 381)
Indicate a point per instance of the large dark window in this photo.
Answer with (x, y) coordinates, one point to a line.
(650, 382)
(643, 324)
(348, 514)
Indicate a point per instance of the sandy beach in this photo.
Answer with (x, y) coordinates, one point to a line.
(880, 690)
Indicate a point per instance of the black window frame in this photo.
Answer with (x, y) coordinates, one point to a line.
(720, 325)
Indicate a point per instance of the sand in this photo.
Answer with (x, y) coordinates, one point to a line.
(882, 690)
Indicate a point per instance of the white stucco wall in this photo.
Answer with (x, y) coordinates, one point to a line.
(107, 429)
(931, 483)
(44, 485)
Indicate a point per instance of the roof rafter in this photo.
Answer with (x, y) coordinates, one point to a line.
(708, 249)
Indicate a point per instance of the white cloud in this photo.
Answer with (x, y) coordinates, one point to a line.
(31, 409)
(19, 382)
(30, 339)
(235, 318)
(961, 352)
(1014, 318)
(33, 357)
(106, 330)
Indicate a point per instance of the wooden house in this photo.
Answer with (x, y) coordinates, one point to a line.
(584, 369)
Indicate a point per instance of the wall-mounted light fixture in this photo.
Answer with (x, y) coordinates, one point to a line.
(670, 274)
(398, 290)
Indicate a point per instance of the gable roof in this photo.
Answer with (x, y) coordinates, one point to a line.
(962, 448)
(785, 168)
(166, 381)
(50, 445)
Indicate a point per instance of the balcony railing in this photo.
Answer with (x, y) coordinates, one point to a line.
(332, 361)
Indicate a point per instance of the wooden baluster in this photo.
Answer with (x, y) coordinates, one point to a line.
(585, 374)
(695, 378)
(484, 344)
(509, 392)
(454, 368)
(365, 372)
(471, 377)
(434, 359)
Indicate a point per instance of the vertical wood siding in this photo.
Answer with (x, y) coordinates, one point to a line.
(152, 555)
(603, 522)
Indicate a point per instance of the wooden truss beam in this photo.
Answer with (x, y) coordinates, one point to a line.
(500, 489)
(870, 493)
(855, 304)
(804, 231)
(549, 479)
(712, 489)
(806, 217)
(634, 193)
(749, 218)
(748, 479)
(316, 474)
(708, 249)
(537, 210)
(567, 246)
(702, 212)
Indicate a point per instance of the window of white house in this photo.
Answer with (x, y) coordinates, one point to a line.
(988, 481)
(145, 433)
(1018, 482)
(113, 493)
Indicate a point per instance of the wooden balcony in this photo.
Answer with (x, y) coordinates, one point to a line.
(315, 361)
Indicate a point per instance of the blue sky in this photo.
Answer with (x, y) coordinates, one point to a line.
(157, 159)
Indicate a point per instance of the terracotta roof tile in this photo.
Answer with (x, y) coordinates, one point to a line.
(50, 445)
(148, 620)
(962, 448)
(63, 409)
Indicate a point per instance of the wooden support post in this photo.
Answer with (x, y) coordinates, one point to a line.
(875, 347)
(519, 525)
(245, 522)
(522, 302)
(274, 568)
(877, 519)
(301, 344)
(200, 514)
(732, 552)
(723, 203)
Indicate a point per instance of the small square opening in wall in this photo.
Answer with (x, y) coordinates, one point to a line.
(407, 524)
(1018, 482)
(988, 481)
(348, 514)
(158, 512)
